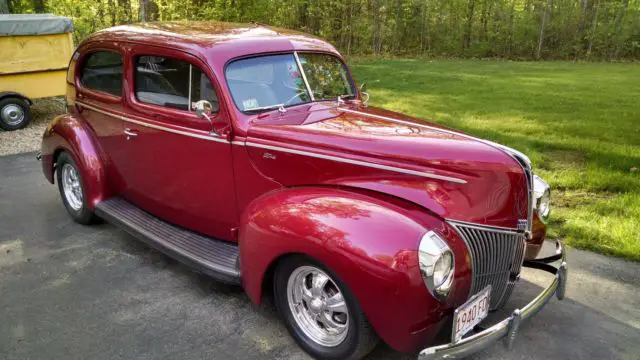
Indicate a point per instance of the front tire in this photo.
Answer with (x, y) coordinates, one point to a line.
(14, 113)
(72, 191)
(320, 311)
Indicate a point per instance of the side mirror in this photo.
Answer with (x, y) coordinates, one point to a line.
(364, 94)
(204, 109)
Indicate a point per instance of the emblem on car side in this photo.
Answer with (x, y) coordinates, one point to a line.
(269, 156)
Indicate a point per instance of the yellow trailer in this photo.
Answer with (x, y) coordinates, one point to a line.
(34, 54)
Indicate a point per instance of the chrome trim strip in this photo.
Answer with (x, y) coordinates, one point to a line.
(507, 328)
(484, 227)
(304, 76)
(522, 159)
(357, 162)
(209, 137)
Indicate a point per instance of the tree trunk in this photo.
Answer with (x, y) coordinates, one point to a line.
(112, 11)
(466, 41)
(543, 22)
(4, 7)
(377, 28)
(594, 23)
(142, 10)
(126, 7)
(38, 6)
(619, 18)
(509, 42)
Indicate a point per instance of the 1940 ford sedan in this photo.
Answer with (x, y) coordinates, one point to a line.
(248, 153)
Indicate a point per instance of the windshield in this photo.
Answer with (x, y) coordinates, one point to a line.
(271, 81)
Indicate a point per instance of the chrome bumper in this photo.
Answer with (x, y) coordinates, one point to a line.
(508, 328)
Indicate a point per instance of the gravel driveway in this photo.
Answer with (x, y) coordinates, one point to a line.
(75, 292)
(28, 139)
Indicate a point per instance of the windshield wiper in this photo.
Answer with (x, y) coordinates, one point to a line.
(280, 108)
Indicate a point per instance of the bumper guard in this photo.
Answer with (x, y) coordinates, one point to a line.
(508, 328)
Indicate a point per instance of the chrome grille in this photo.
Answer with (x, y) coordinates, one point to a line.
(496, 259)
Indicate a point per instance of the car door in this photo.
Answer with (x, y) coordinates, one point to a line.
(178, 168)
(98, 78)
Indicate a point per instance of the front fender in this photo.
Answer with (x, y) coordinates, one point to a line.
(69, 133)
(370, 243)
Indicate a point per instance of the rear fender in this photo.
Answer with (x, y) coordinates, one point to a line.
(369, 243)
(69, 133)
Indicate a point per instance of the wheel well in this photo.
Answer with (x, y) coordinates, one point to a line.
(8, 94)
(267, 279)
(54, 163)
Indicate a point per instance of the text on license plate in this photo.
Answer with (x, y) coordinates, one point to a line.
(471, 313)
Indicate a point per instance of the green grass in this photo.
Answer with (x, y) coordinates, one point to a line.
(578, 122)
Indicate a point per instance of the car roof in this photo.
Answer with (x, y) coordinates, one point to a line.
(220, 40)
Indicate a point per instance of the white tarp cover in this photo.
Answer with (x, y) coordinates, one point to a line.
(34, 24)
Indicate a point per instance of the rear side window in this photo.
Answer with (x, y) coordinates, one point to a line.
(172, 83)
(102, 71)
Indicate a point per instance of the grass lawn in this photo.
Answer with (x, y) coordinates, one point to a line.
(579, 124)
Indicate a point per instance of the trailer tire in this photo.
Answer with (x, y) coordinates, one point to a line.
(15, 113)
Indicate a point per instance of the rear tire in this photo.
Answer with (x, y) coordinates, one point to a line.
(320, 312)
(15, 113)
(72, 191)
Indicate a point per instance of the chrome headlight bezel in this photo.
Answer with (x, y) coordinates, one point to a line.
(433, 251)
(542, 198)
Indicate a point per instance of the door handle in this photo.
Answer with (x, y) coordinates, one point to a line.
(130, 133)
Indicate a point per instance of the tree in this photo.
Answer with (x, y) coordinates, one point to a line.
(4, 7)
(514, 29)
(38, 6)
(619, 40)
(543, 22)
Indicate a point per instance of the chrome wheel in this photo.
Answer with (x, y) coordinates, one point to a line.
(12, 114)
(318, 306)
(71, 186)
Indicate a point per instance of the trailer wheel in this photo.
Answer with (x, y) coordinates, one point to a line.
(14, 113)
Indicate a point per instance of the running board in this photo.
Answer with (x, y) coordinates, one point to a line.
(216, 258)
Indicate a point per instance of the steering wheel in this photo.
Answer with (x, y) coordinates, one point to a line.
(297, 95)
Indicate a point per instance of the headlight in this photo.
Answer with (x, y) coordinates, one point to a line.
(436, 264)
(542, 193)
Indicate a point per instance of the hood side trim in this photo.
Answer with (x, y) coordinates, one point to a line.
(357, 162)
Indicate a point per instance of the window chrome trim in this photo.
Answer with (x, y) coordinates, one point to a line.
(190, 86)
(204, 136)
(304, 76)
(357, 162)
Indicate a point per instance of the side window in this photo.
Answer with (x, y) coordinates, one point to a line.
(102, 71)
(172, 83)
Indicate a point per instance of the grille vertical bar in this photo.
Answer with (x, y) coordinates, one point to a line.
(496, 256)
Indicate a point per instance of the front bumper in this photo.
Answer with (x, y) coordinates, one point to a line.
(508, 328)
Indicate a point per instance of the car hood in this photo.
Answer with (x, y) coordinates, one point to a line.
(451, 174)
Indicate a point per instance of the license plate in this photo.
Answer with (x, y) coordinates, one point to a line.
(471, 313)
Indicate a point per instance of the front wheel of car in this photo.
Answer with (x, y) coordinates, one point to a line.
(72, 190)
(320, 311)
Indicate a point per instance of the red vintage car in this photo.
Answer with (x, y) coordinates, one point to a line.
(248, 153)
